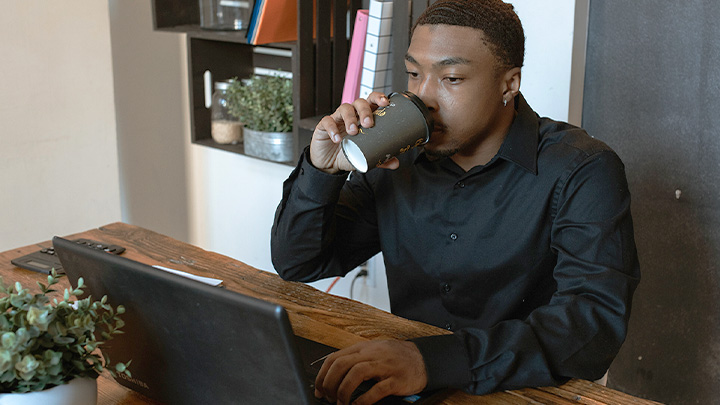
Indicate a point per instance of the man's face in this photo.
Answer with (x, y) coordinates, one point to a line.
(455, 74)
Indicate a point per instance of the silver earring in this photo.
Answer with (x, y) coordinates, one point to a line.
(504, 102)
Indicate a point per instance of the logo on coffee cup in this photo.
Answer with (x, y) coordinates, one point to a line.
(419, 142)
(381, 161)
(382, 110)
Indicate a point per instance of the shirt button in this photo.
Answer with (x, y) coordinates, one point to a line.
(453, 236)
(446, 288)
(460, 184)
(448, 326)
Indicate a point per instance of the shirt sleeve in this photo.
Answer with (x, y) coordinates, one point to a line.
(578, 333)
(312, 237)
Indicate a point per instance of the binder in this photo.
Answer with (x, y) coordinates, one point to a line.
(377, 58)
(275, 21)
(272, 21)
(353, 74)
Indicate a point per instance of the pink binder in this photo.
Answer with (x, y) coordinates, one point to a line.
(351, 90)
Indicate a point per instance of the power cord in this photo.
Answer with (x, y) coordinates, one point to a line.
(330, 287)
(361, 273)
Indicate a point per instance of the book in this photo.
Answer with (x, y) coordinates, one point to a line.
(353, 74)
(377, 58)
(253, 19)
(272, 21)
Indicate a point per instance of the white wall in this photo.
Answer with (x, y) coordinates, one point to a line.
(153, 135)
(552, 77)
(58, 157)
(549, 34)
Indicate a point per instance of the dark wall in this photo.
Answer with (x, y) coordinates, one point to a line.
(652, 92)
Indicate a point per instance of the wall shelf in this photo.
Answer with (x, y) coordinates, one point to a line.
(317, 63)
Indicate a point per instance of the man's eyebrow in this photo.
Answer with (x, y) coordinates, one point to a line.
(456, 60)
(453, 60)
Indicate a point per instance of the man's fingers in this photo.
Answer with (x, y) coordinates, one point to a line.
(378, 99)
(391, 164)
(320, 378)
(338, 372)
(365, 108)
(378, 391)
(396, 365)
(348, 115)
(323, 385)
(356, 375)
(329, 125)
(364, 112)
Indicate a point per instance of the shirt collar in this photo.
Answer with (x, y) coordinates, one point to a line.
(520, 144)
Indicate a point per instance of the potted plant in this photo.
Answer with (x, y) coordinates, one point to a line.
(47, 346)
(264, 106)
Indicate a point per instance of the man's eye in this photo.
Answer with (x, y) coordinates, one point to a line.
(453, 79)
(412, 74)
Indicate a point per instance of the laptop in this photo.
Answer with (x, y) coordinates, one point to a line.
(191, 343)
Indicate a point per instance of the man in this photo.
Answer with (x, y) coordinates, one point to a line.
(511, 230)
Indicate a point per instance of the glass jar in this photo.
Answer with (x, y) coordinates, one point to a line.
(225, 127)
(225, 14)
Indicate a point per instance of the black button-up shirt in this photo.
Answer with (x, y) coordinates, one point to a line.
(529, 259)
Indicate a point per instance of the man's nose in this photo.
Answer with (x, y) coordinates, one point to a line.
(426, 91)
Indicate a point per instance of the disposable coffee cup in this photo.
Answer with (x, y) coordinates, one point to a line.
(404, 124)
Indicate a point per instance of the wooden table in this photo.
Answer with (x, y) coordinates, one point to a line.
(316, 315)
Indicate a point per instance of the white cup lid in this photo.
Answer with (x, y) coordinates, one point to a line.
(354, 155)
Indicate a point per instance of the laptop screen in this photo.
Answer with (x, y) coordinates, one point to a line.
(190, 342)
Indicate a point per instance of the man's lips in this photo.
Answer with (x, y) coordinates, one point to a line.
(436, 134)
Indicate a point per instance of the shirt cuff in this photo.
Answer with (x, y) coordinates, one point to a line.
(317, 185)
(446, 361)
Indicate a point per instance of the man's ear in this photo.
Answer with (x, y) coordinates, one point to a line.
(511, 83)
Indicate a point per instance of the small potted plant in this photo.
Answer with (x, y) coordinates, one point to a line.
(47, 346)
(264, 106)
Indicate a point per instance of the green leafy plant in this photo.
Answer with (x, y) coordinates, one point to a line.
(44, 342)
(262, 103)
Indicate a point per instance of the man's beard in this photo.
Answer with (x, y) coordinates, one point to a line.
(440, 154)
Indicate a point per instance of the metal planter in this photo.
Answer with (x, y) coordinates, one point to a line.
(274, 146)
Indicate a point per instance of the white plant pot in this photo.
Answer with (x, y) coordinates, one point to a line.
(80, 391)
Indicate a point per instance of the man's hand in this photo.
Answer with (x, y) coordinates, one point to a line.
(325, 150)
(397, 366)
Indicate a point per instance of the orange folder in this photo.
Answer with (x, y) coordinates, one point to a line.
(276, 21)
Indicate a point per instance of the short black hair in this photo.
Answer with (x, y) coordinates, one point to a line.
(496, 19)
